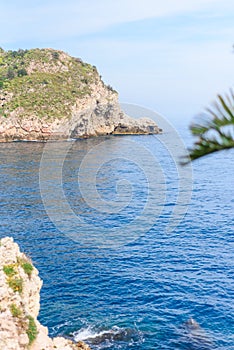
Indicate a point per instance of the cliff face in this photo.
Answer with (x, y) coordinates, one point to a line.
(47, 94)
(20, 302)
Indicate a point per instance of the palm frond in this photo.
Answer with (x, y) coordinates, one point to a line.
(215, 131)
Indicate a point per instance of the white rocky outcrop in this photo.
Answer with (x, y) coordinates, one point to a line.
(94, 115)
(20, 302)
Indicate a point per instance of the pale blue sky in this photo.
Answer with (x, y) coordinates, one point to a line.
(172, 56)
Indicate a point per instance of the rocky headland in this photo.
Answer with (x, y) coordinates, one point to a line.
(20, 303)
(46, 94)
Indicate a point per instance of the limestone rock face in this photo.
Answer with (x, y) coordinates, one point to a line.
(20, 303)
(59, 97)
(95, 115)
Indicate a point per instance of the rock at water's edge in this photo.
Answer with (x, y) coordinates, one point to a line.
(20, 303)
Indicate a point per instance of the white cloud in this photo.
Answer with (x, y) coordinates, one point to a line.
(57, 19)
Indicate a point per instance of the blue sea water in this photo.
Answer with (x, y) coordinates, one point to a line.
(136, 295)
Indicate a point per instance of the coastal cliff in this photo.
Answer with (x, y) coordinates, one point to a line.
(47, 94)
(20, 303)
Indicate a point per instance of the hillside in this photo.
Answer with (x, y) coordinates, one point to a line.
(46, 93)
(44, 82)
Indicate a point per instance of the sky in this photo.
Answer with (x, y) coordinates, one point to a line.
(171, 56)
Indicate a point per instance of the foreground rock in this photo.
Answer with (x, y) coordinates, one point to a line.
(20, 302)
(47, 94)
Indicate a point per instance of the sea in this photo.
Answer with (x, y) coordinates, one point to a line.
(135, 250)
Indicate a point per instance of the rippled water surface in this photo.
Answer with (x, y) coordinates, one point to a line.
(141, 294)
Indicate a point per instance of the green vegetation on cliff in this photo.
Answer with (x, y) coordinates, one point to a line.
(32, 330)
(42, 82)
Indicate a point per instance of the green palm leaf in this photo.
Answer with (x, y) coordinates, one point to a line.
(215, 131)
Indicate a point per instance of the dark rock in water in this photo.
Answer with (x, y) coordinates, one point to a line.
(109, 336)
(194, 337)
(112, 335)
